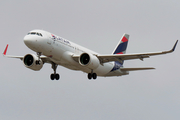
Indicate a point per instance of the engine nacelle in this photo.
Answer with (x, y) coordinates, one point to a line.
(89, 60)
(31, 61)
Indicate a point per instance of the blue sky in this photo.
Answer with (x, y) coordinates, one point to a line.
(97, 25)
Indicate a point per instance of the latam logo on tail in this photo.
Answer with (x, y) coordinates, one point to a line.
(121, 48)
(75, 57)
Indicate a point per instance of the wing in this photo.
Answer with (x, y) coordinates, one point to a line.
(43, 58)
(141, 56)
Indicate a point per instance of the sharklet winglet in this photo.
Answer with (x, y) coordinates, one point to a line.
(5, 51)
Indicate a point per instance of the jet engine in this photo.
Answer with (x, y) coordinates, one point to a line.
(31, 61)
(89, 60)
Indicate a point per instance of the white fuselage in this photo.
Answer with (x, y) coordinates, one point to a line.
(60, 51)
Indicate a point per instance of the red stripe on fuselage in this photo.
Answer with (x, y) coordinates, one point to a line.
(124, 39)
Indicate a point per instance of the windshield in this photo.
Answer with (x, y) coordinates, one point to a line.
(35, 33)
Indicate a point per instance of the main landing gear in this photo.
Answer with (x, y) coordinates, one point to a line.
(54, 75)
(92, 75)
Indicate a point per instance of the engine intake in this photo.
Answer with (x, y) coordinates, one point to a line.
(89, 60)
(84, 59)
(31, 61)
(28, 60)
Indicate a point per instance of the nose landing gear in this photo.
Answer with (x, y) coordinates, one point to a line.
(54, 75)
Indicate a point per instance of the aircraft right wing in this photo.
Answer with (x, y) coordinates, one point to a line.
(44, 58)
(11, 56)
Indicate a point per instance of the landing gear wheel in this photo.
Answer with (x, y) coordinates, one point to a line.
(37, 62)
(94, 75)
(89, 76)
(57, 76)
(52, 76)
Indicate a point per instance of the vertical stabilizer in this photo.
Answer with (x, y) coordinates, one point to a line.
(121, 48)
(122, 45)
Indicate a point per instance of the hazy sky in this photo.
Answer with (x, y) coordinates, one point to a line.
(153, 25)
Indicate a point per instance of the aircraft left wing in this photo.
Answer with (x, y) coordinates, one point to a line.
(141, 56)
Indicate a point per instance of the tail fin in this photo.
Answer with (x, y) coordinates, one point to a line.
(122, 45)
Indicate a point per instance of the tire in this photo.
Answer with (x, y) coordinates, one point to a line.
(52, 76)
(89, 76)
(57, 76)
(37, 62)
(94, 75)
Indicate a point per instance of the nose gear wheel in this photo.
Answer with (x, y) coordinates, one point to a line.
(54, 75)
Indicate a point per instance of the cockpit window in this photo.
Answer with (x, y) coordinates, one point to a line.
(35, 33)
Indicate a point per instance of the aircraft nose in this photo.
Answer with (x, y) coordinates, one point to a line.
(27, 40)
(30, 41)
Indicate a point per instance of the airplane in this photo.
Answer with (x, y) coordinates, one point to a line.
(56, 50)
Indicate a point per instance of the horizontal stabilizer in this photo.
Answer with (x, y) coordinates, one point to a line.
(135, 69)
